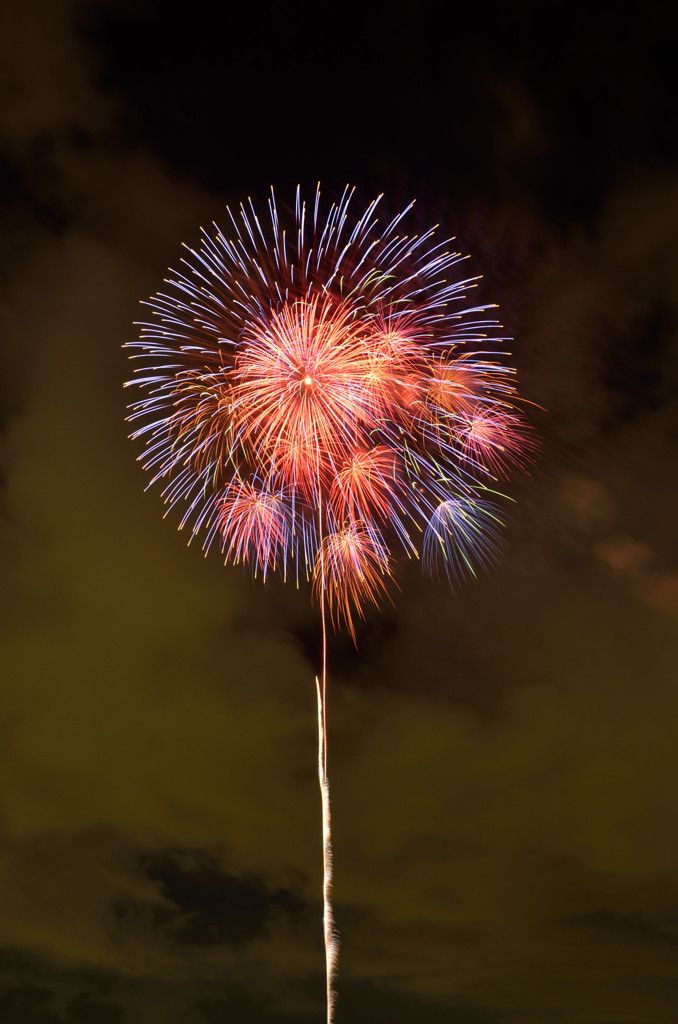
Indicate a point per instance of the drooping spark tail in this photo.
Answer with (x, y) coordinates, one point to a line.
(331, 937)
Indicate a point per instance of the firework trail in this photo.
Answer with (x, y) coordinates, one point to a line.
(319, 396)
(329, 931)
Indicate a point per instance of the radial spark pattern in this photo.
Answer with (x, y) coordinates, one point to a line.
(320, 398)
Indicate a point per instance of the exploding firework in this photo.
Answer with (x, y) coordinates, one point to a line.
(325, 389)
(321, 399)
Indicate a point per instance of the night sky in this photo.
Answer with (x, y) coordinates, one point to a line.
(503, 759)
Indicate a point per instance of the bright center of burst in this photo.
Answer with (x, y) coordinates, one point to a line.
(308, 381)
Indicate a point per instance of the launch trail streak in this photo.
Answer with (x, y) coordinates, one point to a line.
(331, 938)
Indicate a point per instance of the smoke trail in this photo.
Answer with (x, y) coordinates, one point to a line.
(331, 938)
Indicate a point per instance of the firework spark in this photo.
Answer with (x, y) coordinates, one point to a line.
(320, 398)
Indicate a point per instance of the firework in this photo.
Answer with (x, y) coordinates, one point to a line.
(321, 399)
(326, 387)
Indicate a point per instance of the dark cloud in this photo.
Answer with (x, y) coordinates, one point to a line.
(32, 992)
(212, 907)
(628, 927)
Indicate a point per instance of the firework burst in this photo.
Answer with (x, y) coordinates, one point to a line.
(320, 398)
(324, 385)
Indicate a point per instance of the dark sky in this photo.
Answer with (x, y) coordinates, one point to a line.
(504, 760)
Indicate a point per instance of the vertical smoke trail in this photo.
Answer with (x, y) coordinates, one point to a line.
(331, 940)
